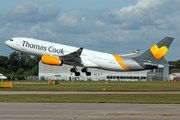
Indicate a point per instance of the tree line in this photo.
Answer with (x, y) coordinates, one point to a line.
(13, 67)
(175, 68)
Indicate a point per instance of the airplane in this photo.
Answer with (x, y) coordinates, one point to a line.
(2, 77)
(59, 54)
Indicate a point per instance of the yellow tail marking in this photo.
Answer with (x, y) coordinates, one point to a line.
(158, 52)
(120, 61)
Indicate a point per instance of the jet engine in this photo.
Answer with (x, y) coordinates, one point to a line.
(51, 60)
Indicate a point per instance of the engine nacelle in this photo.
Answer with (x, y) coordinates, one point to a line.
(51, 60)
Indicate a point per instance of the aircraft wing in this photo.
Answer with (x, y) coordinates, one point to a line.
(129, 55)
(72, 58)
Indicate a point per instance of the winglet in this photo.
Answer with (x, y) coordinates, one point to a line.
(77, 53)
(80, 49)
(136, 51)
(130, 54)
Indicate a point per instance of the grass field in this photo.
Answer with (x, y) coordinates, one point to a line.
(95, 86)
(89, 98)
(117, 82)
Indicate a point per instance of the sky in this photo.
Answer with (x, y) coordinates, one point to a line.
(112, 26)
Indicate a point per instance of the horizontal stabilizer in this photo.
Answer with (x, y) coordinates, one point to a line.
(167, 65)
(152, 66)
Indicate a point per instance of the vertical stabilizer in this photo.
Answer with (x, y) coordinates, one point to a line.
(156, 53)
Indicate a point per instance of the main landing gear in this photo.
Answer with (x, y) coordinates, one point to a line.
(75, 70)
(86, 70)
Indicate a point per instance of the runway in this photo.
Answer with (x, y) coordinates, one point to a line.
(82, 92)
(88, 111)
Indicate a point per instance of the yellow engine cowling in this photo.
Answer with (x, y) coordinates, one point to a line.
(51, 60)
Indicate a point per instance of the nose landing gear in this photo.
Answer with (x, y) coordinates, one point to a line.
(20, 56)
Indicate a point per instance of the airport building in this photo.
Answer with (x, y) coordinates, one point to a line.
(174, 76)
(47, 72)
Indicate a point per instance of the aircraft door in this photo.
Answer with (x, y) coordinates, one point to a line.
(19, 42)
(91, 56)
(128, 63)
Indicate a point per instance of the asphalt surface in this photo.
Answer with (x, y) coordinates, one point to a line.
(88, 111)
(78, 92)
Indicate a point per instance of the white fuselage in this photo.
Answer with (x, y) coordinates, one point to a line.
(91, 59)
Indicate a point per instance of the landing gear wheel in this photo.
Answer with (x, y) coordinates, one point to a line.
(77, 73)
(84, 69)
(73, 69)
(88, 73)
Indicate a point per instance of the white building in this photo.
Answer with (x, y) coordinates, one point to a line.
(173, 75)
(63, 73)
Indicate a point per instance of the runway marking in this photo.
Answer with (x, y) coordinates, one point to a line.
(143, 114)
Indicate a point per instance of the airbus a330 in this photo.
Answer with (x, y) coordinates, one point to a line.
(59, 54)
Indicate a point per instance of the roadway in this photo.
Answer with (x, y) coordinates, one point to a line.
(88, 111)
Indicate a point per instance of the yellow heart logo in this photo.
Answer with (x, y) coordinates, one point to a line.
(158, 52)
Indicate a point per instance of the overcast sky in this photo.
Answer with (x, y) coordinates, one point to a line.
(113, 26)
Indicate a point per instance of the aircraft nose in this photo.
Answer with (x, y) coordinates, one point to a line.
(7, 42)
(10, 42)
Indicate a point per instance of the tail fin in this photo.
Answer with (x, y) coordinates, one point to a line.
(156, 53)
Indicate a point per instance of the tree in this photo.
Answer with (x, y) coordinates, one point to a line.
(3, 61)
(177, 65)
(13, 66)
(14, 61)
(20, 71)
(3, 70)
(174, 71)
(175, 68)
(34, 70)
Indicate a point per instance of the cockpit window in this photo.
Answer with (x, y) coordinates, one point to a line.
(11, 39)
